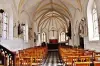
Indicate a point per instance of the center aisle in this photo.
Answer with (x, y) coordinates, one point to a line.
(53, 59)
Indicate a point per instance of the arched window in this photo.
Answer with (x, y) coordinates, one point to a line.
(25, 32)
(43, 37)
(3, 24)
(92, 21)
(59, 37)
(62, 36)
(95, 21)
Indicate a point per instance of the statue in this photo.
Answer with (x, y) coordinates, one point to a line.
(83, 28)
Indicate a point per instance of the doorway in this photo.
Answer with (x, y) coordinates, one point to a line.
(81, 41)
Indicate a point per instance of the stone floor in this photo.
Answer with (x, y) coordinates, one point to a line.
(53, 59)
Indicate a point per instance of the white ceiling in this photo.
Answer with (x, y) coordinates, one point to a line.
(32, 5)
(65, 8)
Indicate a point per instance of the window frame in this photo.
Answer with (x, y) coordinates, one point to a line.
(43, 36)
(4, 26)
(62, 34)
(94, 21)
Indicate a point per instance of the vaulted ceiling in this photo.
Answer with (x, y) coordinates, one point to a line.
(32, 6)
(45, 11)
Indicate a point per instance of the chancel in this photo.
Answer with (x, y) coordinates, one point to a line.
(49, 32)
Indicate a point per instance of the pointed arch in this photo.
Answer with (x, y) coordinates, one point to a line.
(62, 37)
(92, 21)
(43, 37)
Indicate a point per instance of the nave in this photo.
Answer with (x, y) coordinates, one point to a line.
(53, 59)
(40, 56)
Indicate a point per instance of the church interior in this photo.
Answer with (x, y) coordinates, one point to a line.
(49, 33)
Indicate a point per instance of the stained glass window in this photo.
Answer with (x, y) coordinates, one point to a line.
(4, 25)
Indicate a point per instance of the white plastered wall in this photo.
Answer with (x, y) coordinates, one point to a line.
(93, 45)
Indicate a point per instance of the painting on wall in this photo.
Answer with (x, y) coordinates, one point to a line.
(20, 30)
(30, 33)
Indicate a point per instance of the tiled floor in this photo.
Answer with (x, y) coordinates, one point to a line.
(53, 59)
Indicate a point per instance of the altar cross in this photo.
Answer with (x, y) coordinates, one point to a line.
(53, 32)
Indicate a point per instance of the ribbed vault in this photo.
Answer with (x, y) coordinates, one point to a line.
(52, 16)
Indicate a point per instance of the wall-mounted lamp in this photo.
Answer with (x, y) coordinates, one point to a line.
(83, 19)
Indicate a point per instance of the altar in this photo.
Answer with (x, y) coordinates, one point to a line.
(53, 41)
(54, 44)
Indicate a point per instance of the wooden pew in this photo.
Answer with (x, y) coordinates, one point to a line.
(96, 63)
(82, 63)
(31, 56)
(72, 55)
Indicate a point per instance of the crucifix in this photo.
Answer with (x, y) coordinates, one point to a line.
(53, 32)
